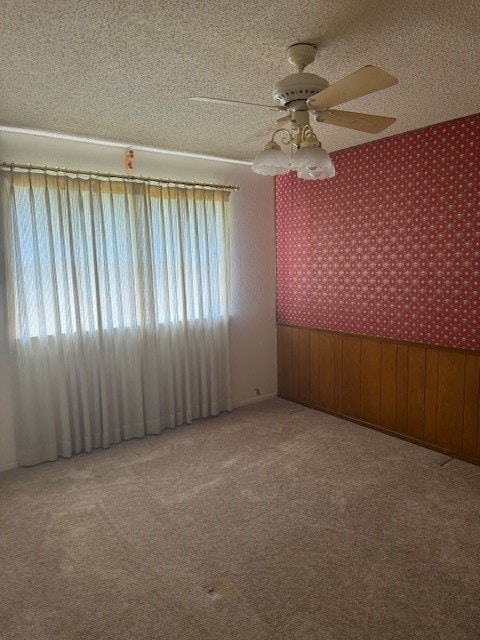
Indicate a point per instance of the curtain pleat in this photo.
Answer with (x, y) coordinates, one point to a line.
(118, 309)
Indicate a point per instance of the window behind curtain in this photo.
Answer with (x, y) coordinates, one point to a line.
(89, 255)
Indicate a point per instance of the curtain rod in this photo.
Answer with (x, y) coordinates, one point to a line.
(122, 176)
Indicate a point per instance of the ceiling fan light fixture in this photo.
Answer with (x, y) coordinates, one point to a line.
(302, 95)
(271, 161)
(310, 162)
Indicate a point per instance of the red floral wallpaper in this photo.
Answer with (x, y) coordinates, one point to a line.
(390, 247)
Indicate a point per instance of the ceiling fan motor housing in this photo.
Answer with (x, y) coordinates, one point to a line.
(298, 86)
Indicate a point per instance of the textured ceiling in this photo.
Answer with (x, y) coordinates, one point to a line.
(122, 69)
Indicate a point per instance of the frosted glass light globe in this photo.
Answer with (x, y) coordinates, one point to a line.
(311, 159)
(271, 162)
(317, 174)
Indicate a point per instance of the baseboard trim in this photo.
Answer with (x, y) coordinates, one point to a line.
(7, 467)
(254, 400)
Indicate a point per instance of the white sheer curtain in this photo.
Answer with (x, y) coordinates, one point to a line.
(118, 309)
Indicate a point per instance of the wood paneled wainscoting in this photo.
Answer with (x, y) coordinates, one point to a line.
(425, 394)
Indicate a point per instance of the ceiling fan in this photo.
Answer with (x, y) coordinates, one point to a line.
(301, 94)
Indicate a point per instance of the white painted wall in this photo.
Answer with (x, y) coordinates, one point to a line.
(253, 333)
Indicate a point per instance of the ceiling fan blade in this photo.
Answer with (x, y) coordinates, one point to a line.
(236, 102)
(270, 129)
(360, 83)
(358, 121)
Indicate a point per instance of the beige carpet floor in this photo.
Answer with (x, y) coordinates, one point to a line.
(274, 522)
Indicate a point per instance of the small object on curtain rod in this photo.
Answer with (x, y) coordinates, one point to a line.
(129, 155)
(118, 176)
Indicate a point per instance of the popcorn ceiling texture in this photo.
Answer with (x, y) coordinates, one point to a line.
(390, 247)
(122, 69)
